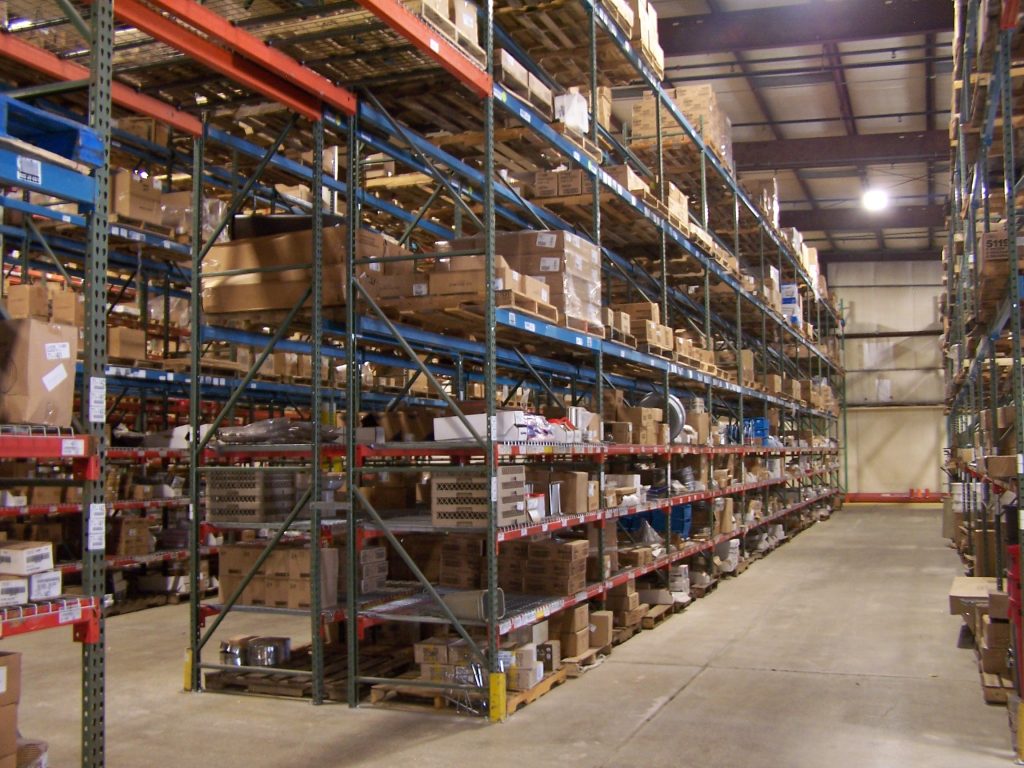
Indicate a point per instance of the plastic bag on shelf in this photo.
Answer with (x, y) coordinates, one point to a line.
(277, 431)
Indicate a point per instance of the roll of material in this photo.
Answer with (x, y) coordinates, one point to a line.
(472, 605)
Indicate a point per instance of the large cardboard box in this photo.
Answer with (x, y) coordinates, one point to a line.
(10, 678)
(463, 13)
(136, 199)
(575, 643)
(281, 289)
(126, 343)
(28, 300)
(8, 730)
(37, 372)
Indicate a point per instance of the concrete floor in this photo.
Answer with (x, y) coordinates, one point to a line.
(835, 650)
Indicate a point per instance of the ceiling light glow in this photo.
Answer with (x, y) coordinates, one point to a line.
(875, 200)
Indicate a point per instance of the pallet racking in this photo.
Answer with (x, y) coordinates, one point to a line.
(982, 313)
(432, 105)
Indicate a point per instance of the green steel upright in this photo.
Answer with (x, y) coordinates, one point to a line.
(95, 385)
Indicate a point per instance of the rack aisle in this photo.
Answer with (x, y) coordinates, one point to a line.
(392, 239)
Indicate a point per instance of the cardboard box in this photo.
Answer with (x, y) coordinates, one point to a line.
(464, 14)
(24, 558)
(575, 643)
(601, 628)
(8, 730)
(37, 372)
(10, 678)
(45, 585)
(126, 343)
(135, 198)
(525, 678)
(1001, 466)
(545, 184)
(549, 654)
(996, 632)
(13, 591)
(998, 605)
(433, 650)
(27, 301)
(967, 591)
(67, 308)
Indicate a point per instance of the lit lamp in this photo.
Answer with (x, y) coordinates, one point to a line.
(875, 200)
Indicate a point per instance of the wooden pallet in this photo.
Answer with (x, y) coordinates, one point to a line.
(614, 334)
(698, 592)
(656, 616)
(995, 688)
(516, 700)
(586, 146)
(577, 665)
(583, 326)
(442, 310)
(156, 229)
(437, 698)
(654, 349)
(379, 661)
(622, 634)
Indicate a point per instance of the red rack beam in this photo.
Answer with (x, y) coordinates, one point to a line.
(256, 50)
(59, 69)
(930, 497)
(445, 53)
(228, 63)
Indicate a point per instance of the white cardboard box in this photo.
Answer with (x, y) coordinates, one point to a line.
(23, 558)
(13, 591)
(45, 585)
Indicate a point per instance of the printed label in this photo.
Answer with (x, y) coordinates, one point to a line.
(97, 399)
(419, 289)
(96, 532)
(72, 447)
(59, 350)
(55, 377)
(547, 240)
(70, 613)
(550, 263)
(30, 170)
(435, 46)
(530, 326)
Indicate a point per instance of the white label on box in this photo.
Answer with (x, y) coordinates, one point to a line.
(96, 535)
(70, 613)
(499, 283)
(30, 170)
(419, 289)
(58, 350)
(97, 399)
(3, 680)
(547, 240)
(72, 447)
(550, 263)
(53, 379)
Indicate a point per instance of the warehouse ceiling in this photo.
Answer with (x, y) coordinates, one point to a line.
(831, 97)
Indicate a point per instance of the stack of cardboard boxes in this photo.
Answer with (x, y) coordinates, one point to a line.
(555, 567)
(462, 562)
(699, 106)
(624, 603)
(27, 572)
(282, 581)
(645, 35)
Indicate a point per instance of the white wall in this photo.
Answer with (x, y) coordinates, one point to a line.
(894, 383)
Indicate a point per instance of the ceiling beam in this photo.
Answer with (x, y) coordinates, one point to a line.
(833, 151)
(812, 23)
(859, 220)
(889, 254)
